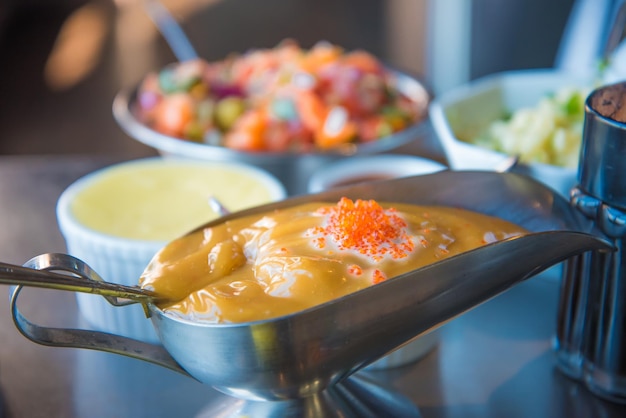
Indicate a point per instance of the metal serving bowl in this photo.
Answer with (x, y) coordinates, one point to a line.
(293, 169)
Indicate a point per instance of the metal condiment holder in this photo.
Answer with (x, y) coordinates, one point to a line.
(591, 325)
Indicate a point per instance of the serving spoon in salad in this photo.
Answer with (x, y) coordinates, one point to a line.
(171, 31)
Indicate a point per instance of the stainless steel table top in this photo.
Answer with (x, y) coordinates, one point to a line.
(494, 361)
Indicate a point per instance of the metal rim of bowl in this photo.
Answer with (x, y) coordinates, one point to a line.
(123, 113)
(385, 165)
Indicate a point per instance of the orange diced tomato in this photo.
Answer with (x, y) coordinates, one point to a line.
(311, 109)
(277, 137)
(363, 60)
(320, 55)
(248, 132)
(325, 140)
(373, 128)
(173, 113)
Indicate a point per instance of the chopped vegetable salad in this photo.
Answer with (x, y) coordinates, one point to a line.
(549, 132)
(281, 99)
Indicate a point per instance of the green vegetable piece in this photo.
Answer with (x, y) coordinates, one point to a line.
(228, 111)
(205, 111)
(170, 83)
(393, 111)
(187, 84)
(384, 129)
(603, 64)
(284, 108)
(167, 83)
(574, 105)
(194, 132)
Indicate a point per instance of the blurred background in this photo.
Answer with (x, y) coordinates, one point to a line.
(63, 61)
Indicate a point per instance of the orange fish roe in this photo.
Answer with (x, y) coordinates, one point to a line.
(320, 242)
(366, 227)
(378, 276)
(355, 270)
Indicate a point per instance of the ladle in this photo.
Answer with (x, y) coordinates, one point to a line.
(303, 364)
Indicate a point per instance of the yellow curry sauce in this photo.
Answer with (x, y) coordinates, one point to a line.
(268, 265)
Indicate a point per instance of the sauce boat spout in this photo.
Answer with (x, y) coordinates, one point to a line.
(410, 305)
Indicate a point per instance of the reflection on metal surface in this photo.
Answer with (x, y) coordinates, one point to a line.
(122, 379)
(357, 397)
(591, 337)
(571, 326)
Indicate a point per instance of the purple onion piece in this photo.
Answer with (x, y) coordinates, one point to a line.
(147, 100)
(225, 90)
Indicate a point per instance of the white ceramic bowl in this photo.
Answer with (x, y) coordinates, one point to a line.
(373, 167)
(121, 257)
(472, 107)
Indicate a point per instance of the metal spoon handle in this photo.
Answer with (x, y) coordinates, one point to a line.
(83, 279)
(171, 31)
(218, 207)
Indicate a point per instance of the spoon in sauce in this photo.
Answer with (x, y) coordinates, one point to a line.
(83, 279)
(50, 271)
(217, 206)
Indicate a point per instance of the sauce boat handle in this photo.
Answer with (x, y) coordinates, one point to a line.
(82, 338)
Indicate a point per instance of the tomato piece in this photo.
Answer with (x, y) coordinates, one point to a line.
(364, 61)
(173, 113)
(277, 137)
(319, 56)
(311, 109)
(374, 127)
(347, 134)
(248, 132)
(337, 129)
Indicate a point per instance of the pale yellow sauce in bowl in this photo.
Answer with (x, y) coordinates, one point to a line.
(161, 199)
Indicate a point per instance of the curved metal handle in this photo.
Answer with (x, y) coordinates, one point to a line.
(79, 338)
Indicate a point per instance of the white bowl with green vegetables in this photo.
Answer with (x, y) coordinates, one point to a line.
(537, 115)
